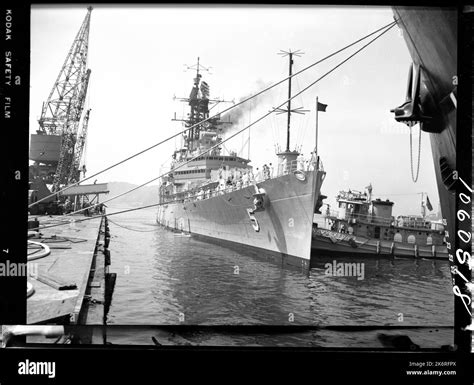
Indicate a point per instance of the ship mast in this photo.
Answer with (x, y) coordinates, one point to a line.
(288, 110)
(198, 102)
(290, 72)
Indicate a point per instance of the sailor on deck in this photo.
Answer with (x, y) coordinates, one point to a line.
(258, 176)
(266, 172)
(313, 161)
(300, 162)
(240, 179)
(221, 186)
(245, 178)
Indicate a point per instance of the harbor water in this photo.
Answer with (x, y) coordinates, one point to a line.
(167, 278)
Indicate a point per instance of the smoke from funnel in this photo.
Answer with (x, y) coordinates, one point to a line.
(239, 115)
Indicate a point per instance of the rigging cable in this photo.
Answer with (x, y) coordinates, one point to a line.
(386, 27)
(129, 228)
(241, 130)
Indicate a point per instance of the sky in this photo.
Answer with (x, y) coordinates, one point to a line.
(138, 57)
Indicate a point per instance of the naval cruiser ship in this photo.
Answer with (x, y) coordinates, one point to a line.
(221, 198)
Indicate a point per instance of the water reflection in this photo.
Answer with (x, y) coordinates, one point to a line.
(174, 279)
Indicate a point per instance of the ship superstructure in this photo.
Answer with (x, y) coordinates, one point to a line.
(203, 138)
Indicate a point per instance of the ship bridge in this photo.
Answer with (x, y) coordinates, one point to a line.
(201, 168)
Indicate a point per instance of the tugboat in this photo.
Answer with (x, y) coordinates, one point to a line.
(220, 198)
(363, 225)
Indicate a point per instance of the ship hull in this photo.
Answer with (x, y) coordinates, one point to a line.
(431, 38)
(326, 242)
(282, 231)
(431, 35)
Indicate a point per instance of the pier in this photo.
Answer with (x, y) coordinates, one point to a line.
(71, 285)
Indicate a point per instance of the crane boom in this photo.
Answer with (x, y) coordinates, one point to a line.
(61, 113)
(74, 172)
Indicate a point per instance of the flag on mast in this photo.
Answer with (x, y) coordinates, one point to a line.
(322, 107)
(428, 204)
(319, 107)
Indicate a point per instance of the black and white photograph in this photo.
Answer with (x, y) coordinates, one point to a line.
(244, 176)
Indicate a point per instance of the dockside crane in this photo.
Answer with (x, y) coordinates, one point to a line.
(62, 113)
(74, 171)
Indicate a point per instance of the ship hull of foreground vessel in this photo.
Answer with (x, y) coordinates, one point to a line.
(281, 231)
(431, 38)
(327, 242)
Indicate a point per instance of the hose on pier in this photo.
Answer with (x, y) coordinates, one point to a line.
(45, 251)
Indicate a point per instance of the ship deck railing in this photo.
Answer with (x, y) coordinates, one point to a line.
(213, 189)
(365, 218)
(377, 220)
(299, 165)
